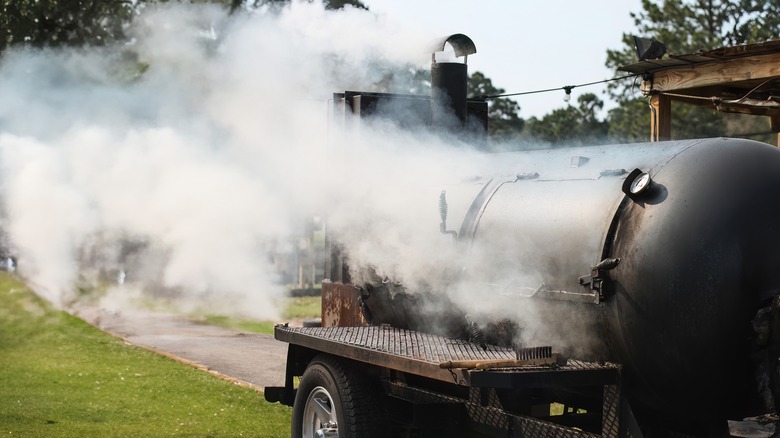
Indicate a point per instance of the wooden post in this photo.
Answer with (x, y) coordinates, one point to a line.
(774, 123)
(660, 117)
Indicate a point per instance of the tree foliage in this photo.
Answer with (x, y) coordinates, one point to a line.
(76, 23)
(688, 26)
(340, 4)
(759, 21)
(328, 4)
(504, 122)
(685, 26)
(48, 23)
(628, 123)
(571, 125)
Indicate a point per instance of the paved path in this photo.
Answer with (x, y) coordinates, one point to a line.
(256, 360)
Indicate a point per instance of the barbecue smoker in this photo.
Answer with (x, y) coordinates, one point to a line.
(653, 269)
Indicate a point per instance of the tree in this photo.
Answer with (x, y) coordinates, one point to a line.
(339, 4)
(753, 21)
(571, 125)
(504, 123)
(686, 26)
(628, 123)
(329, 4)
(47, 23)
(75, 23)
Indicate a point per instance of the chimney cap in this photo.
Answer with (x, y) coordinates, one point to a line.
(462, 44)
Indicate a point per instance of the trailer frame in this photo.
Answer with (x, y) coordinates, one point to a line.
(410, 366)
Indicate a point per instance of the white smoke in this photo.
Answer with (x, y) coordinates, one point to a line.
(178, 162)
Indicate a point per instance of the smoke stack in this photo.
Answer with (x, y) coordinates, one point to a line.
(449, 81)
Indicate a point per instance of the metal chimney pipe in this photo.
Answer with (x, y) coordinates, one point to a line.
(449, 85)
(449, 82)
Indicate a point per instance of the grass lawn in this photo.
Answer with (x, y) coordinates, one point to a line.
(303, 307)
(292, 308)
(61, 377)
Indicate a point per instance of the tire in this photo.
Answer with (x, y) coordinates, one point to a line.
(335, 400)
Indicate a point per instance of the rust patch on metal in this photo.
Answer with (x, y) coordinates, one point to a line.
(340, 305)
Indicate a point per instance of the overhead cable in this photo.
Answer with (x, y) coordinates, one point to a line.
(566, 88)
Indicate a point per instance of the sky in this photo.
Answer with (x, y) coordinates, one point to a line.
(526, 45)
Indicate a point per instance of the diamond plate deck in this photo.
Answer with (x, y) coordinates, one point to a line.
(421, 353)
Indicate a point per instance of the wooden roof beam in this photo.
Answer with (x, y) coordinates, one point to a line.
(749, 68)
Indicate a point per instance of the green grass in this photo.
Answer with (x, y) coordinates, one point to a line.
(61, 377)
(302, 307)
(292, 308)
(266, 327)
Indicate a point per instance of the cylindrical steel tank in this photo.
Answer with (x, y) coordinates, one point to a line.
(696, 230)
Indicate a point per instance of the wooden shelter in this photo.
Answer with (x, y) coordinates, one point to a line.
(739, 79)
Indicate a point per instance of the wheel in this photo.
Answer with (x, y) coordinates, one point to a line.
(335, 400)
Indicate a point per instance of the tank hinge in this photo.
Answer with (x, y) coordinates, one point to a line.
(598, 275)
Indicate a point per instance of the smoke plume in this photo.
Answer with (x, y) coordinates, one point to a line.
(176, 163)
(171, 168)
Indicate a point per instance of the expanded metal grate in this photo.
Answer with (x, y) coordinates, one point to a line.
(408, 343)
(421, 346)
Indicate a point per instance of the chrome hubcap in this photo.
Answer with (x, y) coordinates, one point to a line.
(319, 415)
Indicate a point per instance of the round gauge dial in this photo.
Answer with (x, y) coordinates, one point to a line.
(640, 183)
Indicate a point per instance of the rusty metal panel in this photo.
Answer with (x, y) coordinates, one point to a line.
(341, 305)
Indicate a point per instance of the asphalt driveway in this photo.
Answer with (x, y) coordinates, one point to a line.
(252, 359)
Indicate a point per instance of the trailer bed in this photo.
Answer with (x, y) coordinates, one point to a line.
(422, 353)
